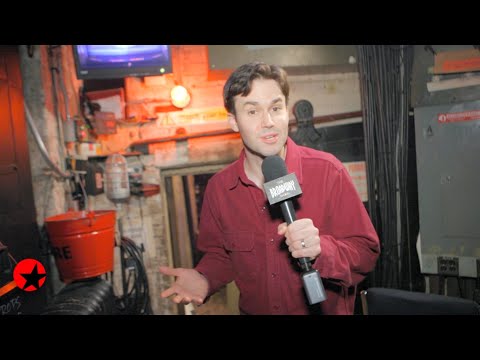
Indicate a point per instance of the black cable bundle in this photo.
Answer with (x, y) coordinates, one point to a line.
(136, 297)
(385, 72)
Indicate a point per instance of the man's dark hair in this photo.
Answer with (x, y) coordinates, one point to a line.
(240, 81)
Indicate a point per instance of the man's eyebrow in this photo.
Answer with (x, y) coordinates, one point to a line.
(250, 103)
(274, 101)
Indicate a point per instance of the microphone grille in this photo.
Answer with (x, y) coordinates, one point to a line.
(273, 167)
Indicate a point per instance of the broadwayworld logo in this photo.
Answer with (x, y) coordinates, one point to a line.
(282, 188)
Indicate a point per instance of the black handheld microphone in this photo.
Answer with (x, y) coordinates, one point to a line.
(280, 187)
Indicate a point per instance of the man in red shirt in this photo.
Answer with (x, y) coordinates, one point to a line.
(246, 240)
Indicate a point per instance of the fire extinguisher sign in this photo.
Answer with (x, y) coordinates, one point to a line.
(459, 116)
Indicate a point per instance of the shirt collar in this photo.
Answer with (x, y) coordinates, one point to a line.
(293, 162)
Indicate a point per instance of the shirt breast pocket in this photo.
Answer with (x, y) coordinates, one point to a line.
(241, 248)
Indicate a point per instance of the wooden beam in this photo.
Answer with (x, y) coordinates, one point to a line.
(181, 230)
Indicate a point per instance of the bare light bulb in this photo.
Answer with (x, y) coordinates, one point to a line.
(180, 96)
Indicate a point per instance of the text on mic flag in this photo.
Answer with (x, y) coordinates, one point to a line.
(282, 188)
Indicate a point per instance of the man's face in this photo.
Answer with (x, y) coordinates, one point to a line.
(262, 119)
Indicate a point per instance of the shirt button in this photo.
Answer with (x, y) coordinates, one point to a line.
(274, 275)
(276, 307)
(271, 241)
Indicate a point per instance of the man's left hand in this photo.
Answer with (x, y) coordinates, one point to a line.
(302, 238)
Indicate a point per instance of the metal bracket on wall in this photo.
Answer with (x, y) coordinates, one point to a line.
(307, 134)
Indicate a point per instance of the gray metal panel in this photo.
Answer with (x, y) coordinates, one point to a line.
(448, 167)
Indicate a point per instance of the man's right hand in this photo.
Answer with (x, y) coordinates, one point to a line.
(189, 286)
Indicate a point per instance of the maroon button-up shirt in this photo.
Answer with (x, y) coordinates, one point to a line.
(238, 234)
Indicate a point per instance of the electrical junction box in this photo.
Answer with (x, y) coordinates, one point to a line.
(94, 179)
(448, 166)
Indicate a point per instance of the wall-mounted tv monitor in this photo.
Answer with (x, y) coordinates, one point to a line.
(119, 61)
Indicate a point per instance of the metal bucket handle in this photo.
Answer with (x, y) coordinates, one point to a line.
(91, 218)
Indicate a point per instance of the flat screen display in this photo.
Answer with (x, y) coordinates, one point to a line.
(119, 61)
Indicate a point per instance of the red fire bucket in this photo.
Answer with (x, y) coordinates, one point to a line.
(82, 243)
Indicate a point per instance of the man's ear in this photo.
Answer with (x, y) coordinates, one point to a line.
(232, 120)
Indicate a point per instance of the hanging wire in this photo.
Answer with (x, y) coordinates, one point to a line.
(136, 299)
(384, 82)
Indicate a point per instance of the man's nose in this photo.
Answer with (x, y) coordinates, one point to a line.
(267, 120)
